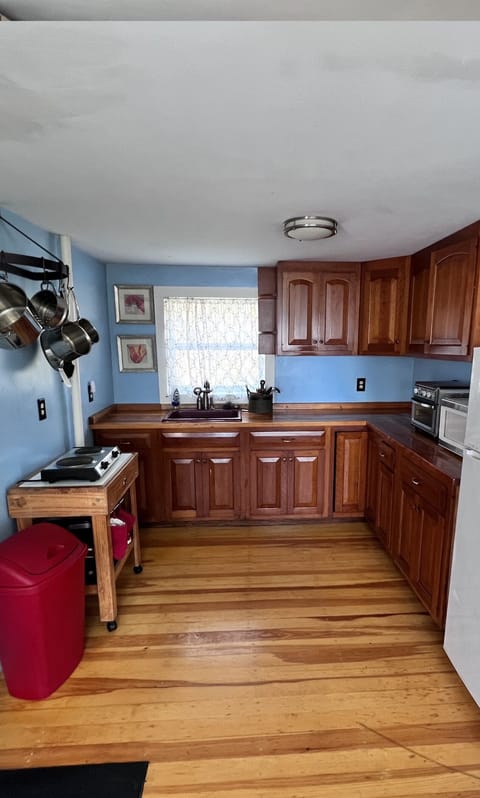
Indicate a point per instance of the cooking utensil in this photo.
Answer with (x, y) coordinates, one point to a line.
(90, 330)
(74, 335)
(50, 307)
(18, 325)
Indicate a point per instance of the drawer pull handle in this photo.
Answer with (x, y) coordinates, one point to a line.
(288, 440)
(415, 481)
(382, 454)
(124, 481)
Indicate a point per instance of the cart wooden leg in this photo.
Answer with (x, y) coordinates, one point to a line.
(107, 594)
(137, 549)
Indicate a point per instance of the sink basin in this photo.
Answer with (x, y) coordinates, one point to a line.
(192, 414)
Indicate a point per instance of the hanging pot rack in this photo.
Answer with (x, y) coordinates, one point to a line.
(37, 268)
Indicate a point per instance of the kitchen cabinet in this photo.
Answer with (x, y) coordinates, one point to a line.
(383, 308)
(287, 474)
(380, 487)
(442, 300)
(318, 308)
(201, 475)
(267, 310)
(350, 473)
(144, 442)
(450, 299)
(422, 539)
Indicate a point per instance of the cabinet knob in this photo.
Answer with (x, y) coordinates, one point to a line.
(284, 459)
(314, 341)
(321, 341)
(397, 340)
(198, 460)
(415, 481)
(382, 454)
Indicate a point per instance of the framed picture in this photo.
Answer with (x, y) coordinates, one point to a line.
(137, 353)
(134, 304)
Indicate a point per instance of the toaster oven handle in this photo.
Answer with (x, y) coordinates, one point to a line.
(422, 404)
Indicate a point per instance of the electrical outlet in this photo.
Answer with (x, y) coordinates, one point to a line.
(91, 391)
(361, 383)
(42, 409)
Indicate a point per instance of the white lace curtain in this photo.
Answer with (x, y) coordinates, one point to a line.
(214, 339)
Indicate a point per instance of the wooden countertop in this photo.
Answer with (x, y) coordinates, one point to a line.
(395, 426)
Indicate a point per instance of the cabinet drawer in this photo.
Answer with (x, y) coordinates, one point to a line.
(386, 454)
(202, 441)
(425, 484)
(281, 439)
(127, 441)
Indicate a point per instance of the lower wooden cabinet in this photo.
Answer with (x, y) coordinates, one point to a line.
(201, 476)
(350, 473)
(287, 474)
(422, 539)
(144, 442)
(380, 487)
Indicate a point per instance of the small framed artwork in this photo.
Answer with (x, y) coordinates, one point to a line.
(134, 304)
(137, 353)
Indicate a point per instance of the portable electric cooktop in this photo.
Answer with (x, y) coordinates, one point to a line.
(85, 463)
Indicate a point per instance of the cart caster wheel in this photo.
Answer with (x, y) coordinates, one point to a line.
(137, 569)
(111, 626)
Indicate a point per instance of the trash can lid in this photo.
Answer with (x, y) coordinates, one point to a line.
(31, 555)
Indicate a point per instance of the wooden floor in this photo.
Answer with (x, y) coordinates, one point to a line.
(262, 662)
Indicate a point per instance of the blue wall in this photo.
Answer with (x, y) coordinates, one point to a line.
(143, 388)
(300, 379)
(25, 374)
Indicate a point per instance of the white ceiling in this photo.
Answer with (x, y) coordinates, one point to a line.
(189, 139)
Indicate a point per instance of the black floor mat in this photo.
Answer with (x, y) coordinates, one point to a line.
(113, 780)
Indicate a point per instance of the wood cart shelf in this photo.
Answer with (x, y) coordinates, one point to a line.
(97, 500)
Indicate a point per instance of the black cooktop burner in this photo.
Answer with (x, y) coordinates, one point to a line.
(79, 460)
(87, 450)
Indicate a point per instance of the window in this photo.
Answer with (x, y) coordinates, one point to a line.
(208, 334)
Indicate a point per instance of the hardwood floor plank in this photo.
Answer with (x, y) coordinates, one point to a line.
(262, 662)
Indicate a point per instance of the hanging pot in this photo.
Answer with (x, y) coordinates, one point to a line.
(18, 325)
(76, 338)
(50, 307)
(90, 330)
(57, 350)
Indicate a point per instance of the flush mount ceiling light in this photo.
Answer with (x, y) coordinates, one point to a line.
(309, 228)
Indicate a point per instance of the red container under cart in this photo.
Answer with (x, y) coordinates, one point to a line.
(42, 609)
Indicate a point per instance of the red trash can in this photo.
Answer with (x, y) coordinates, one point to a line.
(42, 609)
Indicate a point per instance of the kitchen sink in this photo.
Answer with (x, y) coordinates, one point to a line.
(192, 414)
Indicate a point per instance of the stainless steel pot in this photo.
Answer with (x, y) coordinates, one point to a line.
(18, 325)
(57, 349)
(91, 331)
(50, 307)
(74, 335)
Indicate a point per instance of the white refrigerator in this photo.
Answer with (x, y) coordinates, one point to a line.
(462, 630)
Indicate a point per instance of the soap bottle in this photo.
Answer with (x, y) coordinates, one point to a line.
(175, 398)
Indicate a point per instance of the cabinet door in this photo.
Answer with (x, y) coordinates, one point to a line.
(268, 484)
(350, 473)
(428, 564)
(372, 480)
(385, 496)
(383, 311)
(221, 485)
(451, 288)
(407, 532)
(299, 308)
(418, 304)
(339, 295)
(144, 443)
(306, 483)
(182, 485)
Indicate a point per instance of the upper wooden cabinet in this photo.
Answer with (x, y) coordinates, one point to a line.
(267, 310)
(442, 315)
(450, 299)
(383, 306)
(317, 308)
